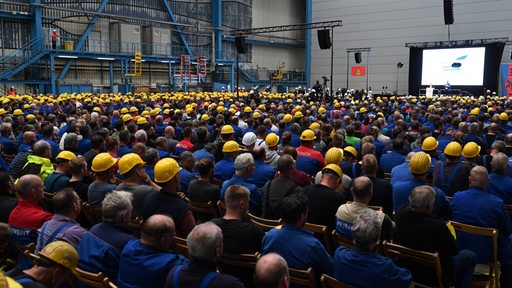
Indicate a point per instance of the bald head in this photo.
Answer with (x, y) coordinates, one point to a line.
(362, 189)
(259, 153)
(30, 187)
(169, 132)
(271, 272)
(29, 137)
(158, 232)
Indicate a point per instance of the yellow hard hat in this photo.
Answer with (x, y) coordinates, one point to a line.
(471, 150)
(503, 116)
(430, 143)
(66, 155)
(298, 115)
(126, 118)
(30, 117)
(8, 282)
(166, 169)
(230, 146)
(227, 129)
(142, 121)
(272, 140)
(314, 125)
(362, 110)
(205, 117)
(153, 112)
(102, 162)
(247, 109)
(128, 161)
(321, 110)
(334, 168)
(26, 106)
(167, 111)
(62, 253)
(475, 111)
(351, 150)
(334, 156)
(144, 113)
(453, 149)
(124, 110)
(256, 115)
(2, 111)
(287, 118)
(17, 112)
(307, 135)
(134, 109)
(420, 163)
(96, 109)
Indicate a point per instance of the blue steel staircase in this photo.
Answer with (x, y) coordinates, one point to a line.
(21, 58)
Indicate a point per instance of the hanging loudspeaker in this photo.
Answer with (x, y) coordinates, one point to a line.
(324, 39)
(448, 12)
(357, 57)
(241, 46)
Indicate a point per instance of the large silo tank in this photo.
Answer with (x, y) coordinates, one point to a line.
(156, 40)
(125, 38)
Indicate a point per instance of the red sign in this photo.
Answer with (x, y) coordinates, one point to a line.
(358, 70)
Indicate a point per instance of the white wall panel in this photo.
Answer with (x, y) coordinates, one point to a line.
(276, 13)
(386, 25)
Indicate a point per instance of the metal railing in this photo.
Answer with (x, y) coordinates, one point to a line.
(20, 56)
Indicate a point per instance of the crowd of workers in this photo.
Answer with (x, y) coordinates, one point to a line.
(371, 168)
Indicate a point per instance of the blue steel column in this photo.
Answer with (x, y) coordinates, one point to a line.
(217, 25)
(232, 77)
(52, 74)
(36, 32)
(309, 19)
(36, 28)
(178, 28)
(111, 76)
(81, 43)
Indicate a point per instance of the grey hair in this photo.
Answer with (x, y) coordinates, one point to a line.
(479, 175)
(151, 156)
(243, 161)
(421, 197)
(115, 205)
(366, 228)
(4, 127)
(40, 147)
(499, 163)
(141, 134)
(203, 240)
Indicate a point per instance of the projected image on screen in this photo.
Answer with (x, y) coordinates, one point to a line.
(459, 66)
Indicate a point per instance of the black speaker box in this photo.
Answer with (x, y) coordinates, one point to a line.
(324, 39)
(448, 12)
(241, 46)
(357, 57)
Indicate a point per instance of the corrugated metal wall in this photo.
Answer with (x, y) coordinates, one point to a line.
(386, 25)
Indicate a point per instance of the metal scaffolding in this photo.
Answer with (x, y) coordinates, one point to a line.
(303, 26)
